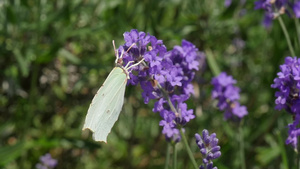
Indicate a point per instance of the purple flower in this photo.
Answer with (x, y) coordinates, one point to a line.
(296, 9)
(294, 132)
(263, 4)
(274, 8)
(270, 13)
(268, 18)
(208, 145)
(227, 3)
(164, 76)
(46, 162)
(288, 84)
(228, 95)
(208, 166)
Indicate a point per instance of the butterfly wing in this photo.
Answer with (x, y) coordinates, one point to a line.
(106, 105)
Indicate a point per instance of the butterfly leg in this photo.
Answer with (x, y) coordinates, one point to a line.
(128, 64)
(127, 68)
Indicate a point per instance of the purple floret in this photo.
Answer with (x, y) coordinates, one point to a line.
(296, 9)
(228, 95)
(227, 3)
(46, 162)
(294, 132)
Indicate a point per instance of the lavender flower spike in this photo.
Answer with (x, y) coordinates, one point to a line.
(46, 162)
(228, 95)
(208, 145)
(164, 76)
(274, 8)
(288, 84)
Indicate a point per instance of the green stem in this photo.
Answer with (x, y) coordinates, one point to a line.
(298, 162)
(168, 98)
(188, 149)
(180, 129)
(174, 156)
(168, 156)
(298, 158)
(242, 153)
(298, 30)
(282, 148)
(286, 35)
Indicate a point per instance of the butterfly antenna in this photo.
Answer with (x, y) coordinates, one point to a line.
(127, 53)
(122, 54)
(130, 47)
(116, 52)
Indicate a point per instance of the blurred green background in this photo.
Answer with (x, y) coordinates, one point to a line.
(55, 54)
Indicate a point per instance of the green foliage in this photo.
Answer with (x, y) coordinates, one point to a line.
(56, 54)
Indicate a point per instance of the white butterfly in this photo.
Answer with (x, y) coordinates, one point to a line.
(107, 103)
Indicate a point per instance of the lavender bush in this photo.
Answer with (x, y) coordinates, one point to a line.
(56, 54)
(166, 77)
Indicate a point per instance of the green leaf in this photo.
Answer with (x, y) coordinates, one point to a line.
(10, 153)
(23, 63)
(69, 56)
(266, 154)
(212, 62)
(10, 14)
(282, 149)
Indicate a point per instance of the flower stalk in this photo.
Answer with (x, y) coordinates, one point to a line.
(286, 34)
(187, 147)
(168, 156)
(174, 156)
(242, 153)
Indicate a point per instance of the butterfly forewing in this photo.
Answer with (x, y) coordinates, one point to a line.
(106, 105)
(113, 113)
